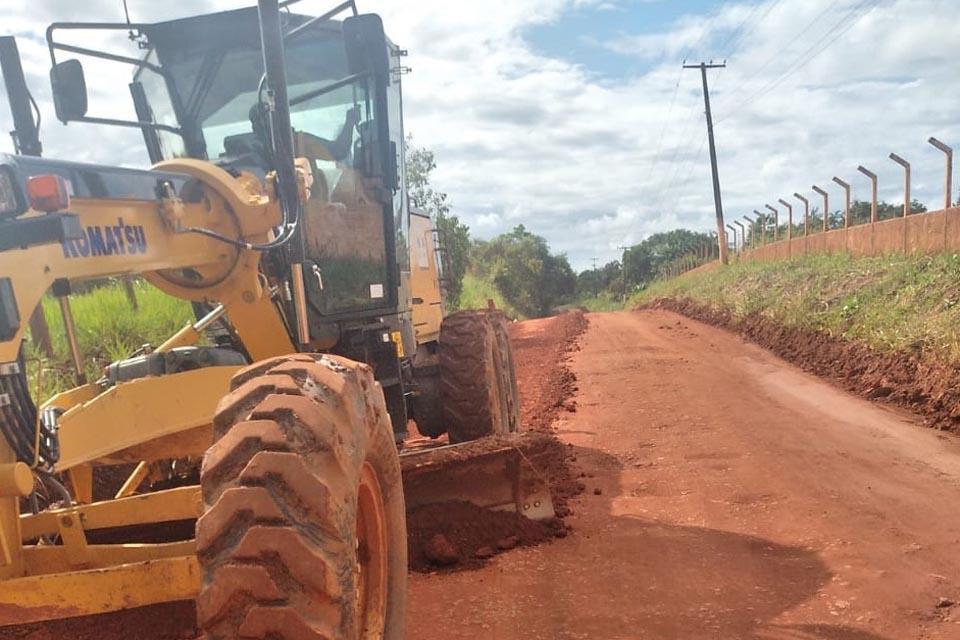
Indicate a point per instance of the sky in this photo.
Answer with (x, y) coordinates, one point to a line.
(576, 119)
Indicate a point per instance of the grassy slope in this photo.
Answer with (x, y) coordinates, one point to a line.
(894, 302)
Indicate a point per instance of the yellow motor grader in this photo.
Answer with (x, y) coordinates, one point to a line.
(277, 206)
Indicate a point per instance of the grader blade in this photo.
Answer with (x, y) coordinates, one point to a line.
(493, 473)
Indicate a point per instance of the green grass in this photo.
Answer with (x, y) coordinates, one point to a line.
(602, 302)
(476, 291)
(107, 330)
(895, 302)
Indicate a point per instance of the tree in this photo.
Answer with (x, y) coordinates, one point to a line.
(593, 282)
(454, 234)
(520, 265)
(860, 210)
(644, 261)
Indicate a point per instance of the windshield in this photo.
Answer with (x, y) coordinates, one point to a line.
(217, 88)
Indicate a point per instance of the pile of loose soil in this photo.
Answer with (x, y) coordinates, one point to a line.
(541, 349)
(547, 385)
(929, 388)
(463, 535)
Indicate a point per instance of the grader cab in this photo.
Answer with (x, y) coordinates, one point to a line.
(277, 206)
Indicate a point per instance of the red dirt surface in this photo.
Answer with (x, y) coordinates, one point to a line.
(931, 389)
(546, 385)
(740, 499)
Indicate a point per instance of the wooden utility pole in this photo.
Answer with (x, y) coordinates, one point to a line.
(721, 231)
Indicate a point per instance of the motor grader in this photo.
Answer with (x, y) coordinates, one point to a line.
(277, 206)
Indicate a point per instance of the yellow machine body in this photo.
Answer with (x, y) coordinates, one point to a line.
(427, 298)
(143, 420)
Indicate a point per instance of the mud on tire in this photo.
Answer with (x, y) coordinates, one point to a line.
(475, 373)
(303, 532)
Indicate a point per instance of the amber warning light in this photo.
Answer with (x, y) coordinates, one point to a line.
(48, 193)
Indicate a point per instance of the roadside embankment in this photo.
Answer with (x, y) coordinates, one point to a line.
(883, 327)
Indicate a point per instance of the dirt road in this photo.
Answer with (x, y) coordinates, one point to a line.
(729, 496)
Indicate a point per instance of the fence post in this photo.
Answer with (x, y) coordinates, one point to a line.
(776, 220)
(873, 207)
(948, 184)
(806, 220)
(734, 230)
(762, 222)
(846, 202)
(873, 195)
(743, 235)
(753, 232)
(906, 195)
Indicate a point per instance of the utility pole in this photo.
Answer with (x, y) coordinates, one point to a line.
(721, 231)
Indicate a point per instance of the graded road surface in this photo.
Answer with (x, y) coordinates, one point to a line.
(738, 498)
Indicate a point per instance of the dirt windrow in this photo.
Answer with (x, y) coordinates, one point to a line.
(929, 388)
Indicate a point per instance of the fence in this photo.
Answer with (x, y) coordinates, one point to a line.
(931, 232)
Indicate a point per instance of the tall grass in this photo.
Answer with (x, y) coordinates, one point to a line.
(892, 302)
(108, 329)
(476, 291)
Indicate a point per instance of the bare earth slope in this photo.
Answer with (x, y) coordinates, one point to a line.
(729, 495)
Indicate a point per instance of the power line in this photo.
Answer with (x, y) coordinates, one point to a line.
(745, 32)
(782, 50)
(666, 121)
(804, 58)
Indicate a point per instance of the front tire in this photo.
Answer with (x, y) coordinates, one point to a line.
(303, 533)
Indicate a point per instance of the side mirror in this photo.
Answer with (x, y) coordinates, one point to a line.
(69, 90)
(366, 45)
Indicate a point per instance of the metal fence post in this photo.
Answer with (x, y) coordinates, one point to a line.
(776, 221)
(948, 185)
(762, 221)
(873, 197)
(906, 182)
(806, 213)
(846, 201)
(826, 207)
(789, 217)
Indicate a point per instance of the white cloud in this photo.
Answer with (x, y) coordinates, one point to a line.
(520, 137)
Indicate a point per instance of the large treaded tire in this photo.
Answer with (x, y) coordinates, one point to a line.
(427, 407)
(303, 533)
(508, 370)
(473, 387)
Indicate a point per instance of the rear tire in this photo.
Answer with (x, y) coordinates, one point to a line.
(303, 533)
(508, 371)
(476, 395)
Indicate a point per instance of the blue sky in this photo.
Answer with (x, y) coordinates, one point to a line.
(574, 118)
(578, 34)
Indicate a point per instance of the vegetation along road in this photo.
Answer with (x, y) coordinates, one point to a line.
(728, 495)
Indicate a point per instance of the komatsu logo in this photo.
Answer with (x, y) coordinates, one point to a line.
(117, 240)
